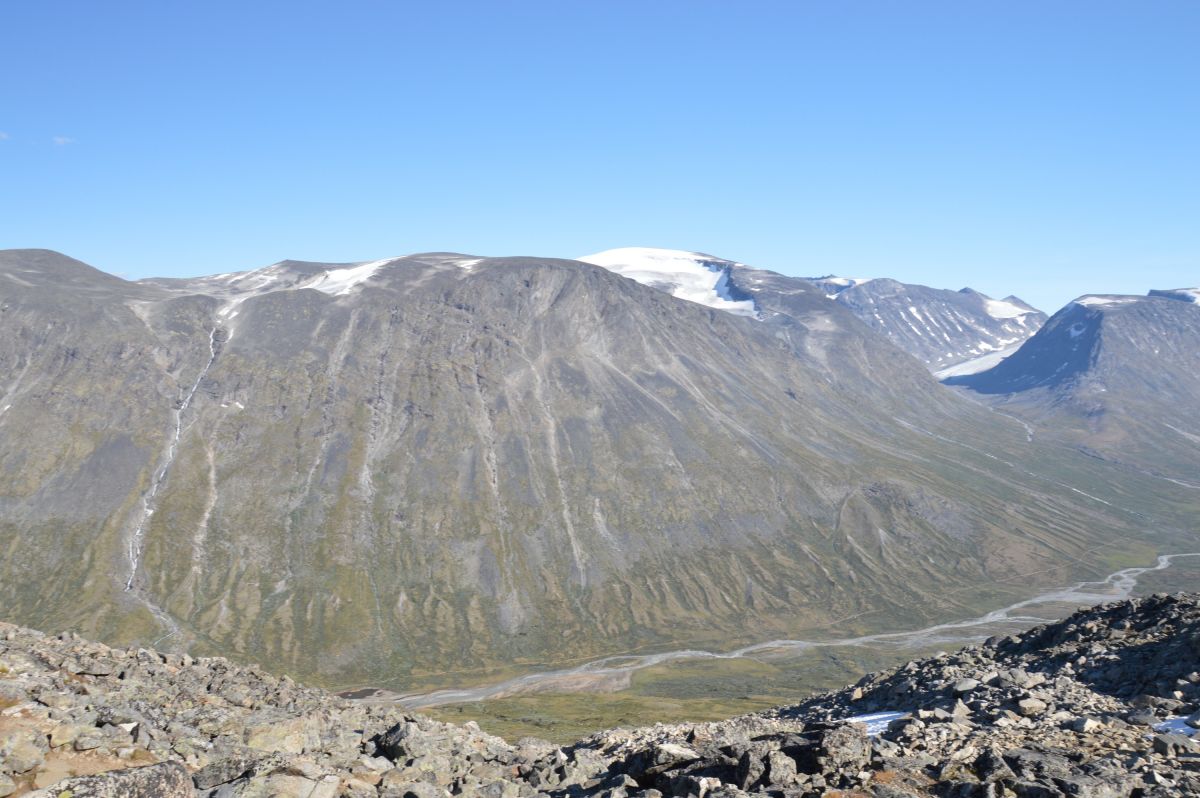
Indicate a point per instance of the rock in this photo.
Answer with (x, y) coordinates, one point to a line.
(285, 736)
(990, 766)
(165, 780)
(357, 788)
(1174, 744)
(223, 771)
(964, 686)
(7, 786)
(88, 739)
(64, 734)
(21, 750)
(844, 747)
(417, 789)
(283, 785)
(750, 768)
(781, 769)
(1086, 725)
(1031, 707)
(673, 755)
(392, 742)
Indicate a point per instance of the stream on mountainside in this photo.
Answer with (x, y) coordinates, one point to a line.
(149, 505)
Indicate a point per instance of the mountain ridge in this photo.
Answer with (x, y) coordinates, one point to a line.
(1117, 375)
(484, 465)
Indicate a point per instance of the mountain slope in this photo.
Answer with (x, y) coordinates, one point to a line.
(943, 329)
(1118, 375)
(422, 468)
(951, 332)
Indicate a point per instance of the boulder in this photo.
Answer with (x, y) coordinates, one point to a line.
(164, 780)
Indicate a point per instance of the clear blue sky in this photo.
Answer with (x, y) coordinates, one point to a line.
(1044, 148)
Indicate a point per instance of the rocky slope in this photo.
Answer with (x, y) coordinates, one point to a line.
(438, 469)
(1118, 376)
(951, 332)
(1100, 704)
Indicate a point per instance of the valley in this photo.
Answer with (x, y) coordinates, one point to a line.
(551, 495)
(703, 686)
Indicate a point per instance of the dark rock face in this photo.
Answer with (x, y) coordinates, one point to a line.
(202, 727)
(443, 463)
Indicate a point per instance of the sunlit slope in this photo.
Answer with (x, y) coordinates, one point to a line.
(444, 464)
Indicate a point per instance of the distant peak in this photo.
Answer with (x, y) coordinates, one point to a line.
(1005, 308)
(847, 282)
(1183, 294)
(694, 276)
(833, 285)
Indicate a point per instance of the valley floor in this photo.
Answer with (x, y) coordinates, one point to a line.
(696, 686)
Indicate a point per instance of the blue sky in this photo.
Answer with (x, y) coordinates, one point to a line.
(1046, 149)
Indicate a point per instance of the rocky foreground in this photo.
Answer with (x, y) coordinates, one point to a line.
(1074, 708)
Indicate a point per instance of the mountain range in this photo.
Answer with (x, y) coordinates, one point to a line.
(446, 467)
(1116, 376)
(951, 332)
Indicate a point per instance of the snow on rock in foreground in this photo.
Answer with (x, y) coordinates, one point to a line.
(693, 276)
(877, 722)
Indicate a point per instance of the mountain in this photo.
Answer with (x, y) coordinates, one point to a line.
(1116, 375)
(443, 467)
(951, 332)
(1184, 294)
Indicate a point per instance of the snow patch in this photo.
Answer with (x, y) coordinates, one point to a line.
(876, 722)
(999, 309)
(976, 364)
(339, 282)
(693, 276)
(846, 282)
(1093, 301)
(1175, 725)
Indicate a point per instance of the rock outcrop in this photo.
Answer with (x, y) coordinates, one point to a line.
(1100, 704)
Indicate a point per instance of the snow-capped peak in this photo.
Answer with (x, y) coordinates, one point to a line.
(693, 276)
